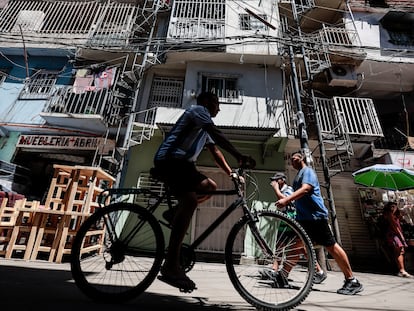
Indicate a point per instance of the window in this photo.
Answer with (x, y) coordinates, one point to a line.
(39, 86)
(165, 92)
(248, 22)
(401, 38)
(399, 26)
(224, 86)
(377, 3)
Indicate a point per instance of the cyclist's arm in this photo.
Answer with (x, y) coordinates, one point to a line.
(222, 141)
(219, 158)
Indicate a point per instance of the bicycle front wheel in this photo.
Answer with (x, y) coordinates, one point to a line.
(117, 252)
(270, 261)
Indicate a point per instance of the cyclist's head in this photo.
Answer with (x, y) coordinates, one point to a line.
(210, 101)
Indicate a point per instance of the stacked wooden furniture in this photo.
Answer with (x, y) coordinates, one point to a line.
(72, 197)
(8, 216)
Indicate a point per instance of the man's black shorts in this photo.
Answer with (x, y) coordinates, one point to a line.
(319, 231)
(180, 175)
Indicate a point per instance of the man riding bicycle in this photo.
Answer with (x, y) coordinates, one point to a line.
(175, 160)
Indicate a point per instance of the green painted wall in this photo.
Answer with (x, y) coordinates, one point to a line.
(8, 146)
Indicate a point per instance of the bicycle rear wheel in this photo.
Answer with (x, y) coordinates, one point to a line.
(249, 264)
(117, 252)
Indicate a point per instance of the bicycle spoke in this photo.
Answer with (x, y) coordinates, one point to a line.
(251, 272)
(122, 258)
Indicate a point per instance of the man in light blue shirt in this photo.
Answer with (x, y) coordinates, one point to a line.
(312, 214)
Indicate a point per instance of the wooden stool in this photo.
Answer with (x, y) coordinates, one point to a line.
(25, 229)
(8, 216)
(47, 234)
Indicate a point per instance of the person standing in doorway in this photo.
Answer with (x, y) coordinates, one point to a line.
(312, 214)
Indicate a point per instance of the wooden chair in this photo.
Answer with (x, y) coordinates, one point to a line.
(25, 229)
(47, 234)
(8, 216)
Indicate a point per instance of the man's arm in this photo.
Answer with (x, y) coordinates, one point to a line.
(303, 190)
(275, 186)
(219, 158)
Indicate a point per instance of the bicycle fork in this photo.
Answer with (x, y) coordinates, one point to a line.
(255, 231)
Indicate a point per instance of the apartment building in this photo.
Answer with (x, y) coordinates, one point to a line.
(101, 82)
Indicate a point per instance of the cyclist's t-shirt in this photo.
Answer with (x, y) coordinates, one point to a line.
(187, 138)
(311, 205)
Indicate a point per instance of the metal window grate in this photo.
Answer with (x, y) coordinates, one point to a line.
(40, 86)
(248, 22)
(166, 92)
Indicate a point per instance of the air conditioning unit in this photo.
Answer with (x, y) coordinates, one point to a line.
(341, 75)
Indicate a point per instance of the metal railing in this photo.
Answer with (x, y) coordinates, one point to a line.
(99, 102)
(197, 19)
(358, 115)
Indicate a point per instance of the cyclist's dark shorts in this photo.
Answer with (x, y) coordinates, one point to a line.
(180, 175)
(319, 232)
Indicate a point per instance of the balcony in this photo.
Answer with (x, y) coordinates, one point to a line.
(197, 20)
(355, 117)
(94, 111)
(63, 24)
(343, 44)
(312, 14)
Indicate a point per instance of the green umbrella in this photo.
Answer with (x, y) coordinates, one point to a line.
(385, 176)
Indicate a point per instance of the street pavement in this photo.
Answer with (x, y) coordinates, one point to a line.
(40, 285)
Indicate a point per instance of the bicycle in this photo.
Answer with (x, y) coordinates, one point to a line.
(118, 251)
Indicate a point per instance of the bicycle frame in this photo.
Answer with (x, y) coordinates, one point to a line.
(167, 197)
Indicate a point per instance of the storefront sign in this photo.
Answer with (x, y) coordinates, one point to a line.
(65, 142)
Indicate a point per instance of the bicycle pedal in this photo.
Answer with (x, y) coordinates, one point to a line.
(187, 291)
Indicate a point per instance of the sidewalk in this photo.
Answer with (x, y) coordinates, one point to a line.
(39, 285)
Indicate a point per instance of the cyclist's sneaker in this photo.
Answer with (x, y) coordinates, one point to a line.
(280, 281)
(268, 274)
(350, 287)
(319, 277)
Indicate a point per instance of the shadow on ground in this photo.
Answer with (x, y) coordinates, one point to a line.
(31, 289)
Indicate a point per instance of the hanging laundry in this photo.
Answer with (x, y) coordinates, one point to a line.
(83, 81)
(105, 79)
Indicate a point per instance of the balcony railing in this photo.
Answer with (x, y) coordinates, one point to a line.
(98, 102)
(337, 38)
(197, 19)
(357, 117)
(94, 23)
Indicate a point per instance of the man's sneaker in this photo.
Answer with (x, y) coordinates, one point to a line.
(319, 277)
(351, 287)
